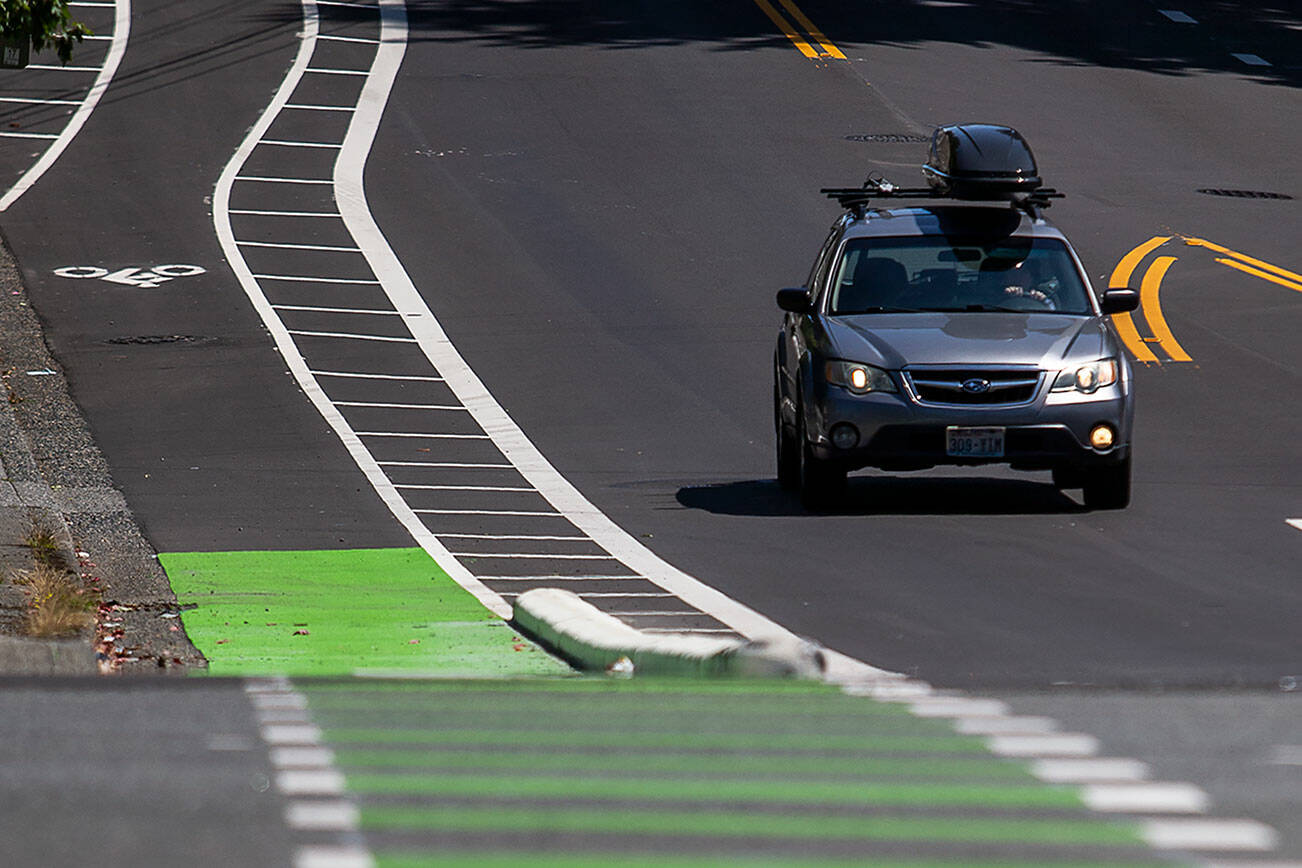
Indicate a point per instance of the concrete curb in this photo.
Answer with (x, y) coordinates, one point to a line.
(25, 656)
(594, 641)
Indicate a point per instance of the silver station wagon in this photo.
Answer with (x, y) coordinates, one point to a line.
(957, 329)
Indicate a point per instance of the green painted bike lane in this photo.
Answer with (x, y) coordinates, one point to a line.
(590, 772)
(542, 766)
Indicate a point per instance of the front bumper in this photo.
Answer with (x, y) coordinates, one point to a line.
(898, 433)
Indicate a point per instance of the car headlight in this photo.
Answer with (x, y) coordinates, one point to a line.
(1087, 378)
(860, 379)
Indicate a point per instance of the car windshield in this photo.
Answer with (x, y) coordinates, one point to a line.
(943, 273)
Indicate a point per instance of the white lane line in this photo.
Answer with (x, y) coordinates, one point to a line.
(346, 3)
(399, 406)
(9, 135)
(350, 310)
(561, 579)
(535, 556)
(1088, 771)
(306, 770)
(322, 816)
(364, 376)
(512, 536)
(352, 337)
(282, 143)
(320, 108)
(957, 706)
(454, 465)
(343, 856)
(1145, 798)
(281, 245)
(332, 214)
(515, 489)
(1045, 745)
(1294, 522)
(336, 71)
(332, 38)
(284, 340)
(310, 782)
(1012, 725)
(52, 67)
(418, 434)
(1250, 59)
(302, 757)
(1178, 17)
(1208, 834)
(510, 512)
(595, 595)
(302, 278)
(29, 100)
(121, 33)
(270, 180)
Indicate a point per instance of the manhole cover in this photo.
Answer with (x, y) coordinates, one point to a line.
(159, 339)
(1243, 194)
(889, 139)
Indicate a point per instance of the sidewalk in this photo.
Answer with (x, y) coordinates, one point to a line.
(51, 472)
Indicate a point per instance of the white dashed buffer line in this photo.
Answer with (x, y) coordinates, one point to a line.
(117, 48)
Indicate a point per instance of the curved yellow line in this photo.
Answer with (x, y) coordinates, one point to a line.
(1121, 279)
(1153, 309)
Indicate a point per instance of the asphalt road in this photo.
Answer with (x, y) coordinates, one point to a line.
(598, 206)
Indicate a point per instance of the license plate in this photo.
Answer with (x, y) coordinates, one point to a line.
(974, 442)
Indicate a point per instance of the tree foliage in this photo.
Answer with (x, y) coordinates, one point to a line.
(47, 23)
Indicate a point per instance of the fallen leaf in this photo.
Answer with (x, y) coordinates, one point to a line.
(301, 633)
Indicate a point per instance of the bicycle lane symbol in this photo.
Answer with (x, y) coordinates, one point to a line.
(136, 277)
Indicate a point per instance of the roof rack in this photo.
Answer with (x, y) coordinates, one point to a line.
(857, 199)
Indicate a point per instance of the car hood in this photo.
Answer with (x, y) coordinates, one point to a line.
(984, 338)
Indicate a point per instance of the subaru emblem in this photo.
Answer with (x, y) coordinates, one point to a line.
(976, 386)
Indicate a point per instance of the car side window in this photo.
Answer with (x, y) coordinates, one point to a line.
(818, 274)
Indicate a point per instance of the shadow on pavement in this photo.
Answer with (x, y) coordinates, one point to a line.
(886, 495)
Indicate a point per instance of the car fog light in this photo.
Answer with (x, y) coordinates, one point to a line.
(845, 435)
(1101, 437)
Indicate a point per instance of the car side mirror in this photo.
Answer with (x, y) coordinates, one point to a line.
(796, 300)
(1120, 300)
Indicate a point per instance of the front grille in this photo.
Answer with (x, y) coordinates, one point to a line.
(978, 387)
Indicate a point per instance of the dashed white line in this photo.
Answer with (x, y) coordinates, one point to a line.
(332, 38)
(337, 71)
(306, 278)
(510, 512)
(322, 816)
(52, 67)
(1145, 798)
(281, 245)
(13, 135)
(346, 310)
(1046, 745)
(421, 435)
(1294, 522)
(282, 143)
(310, 782)
(1208, 834)
(517, 489)
(321, 108)
(400, 406)
(364, 376)
(332, 214)
(118, 47)
(353, 337)
(30, 100)
(1092, 770)
(513, 536)
(450, 465)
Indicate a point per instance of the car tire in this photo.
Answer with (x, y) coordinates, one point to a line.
(1108, 487)
(788, 448)
(821, 482)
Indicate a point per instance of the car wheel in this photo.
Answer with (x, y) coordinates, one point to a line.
(1108, 487)
(788, 447)
(821, 482)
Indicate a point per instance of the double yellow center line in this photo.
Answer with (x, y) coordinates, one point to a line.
(805, 41)
(1151, 284)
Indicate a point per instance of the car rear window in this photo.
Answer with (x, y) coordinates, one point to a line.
(943, 273)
